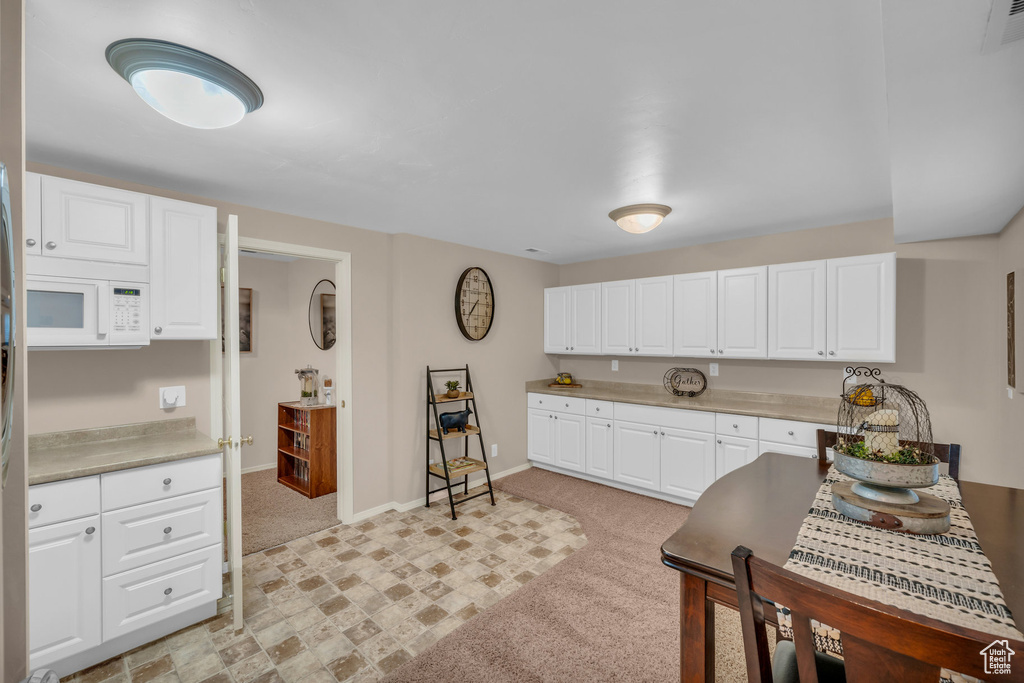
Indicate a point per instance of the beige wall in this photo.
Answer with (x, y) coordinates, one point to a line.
(949, 329)
(402, 319)
(281, 343)
(13, 499)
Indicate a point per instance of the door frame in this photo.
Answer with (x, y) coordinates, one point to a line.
(343, 358)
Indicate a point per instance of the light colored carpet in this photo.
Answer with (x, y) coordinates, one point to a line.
(273, 514)
(609, 612)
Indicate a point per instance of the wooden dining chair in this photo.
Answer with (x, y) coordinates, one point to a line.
(880, 642)
(948, 453)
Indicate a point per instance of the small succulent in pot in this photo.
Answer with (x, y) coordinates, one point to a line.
(453, 388)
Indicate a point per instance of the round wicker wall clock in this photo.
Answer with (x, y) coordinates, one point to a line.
(474, 304)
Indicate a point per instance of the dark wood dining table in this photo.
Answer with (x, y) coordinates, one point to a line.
(762, 506)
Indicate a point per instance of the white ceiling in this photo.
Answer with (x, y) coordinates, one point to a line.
(516, 125)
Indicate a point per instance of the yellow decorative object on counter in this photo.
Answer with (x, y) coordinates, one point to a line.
(862, 396)
(564, 378)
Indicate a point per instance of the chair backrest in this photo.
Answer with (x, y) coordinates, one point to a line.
(880, 643)
(948, 453)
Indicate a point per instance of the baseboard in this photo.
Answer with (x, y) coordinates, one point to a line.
(422, 501)
(618, 485)
(259, 468)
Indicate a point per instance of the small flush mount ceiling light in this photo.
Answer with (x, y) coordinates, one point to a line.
(185, 85)
(639, 218)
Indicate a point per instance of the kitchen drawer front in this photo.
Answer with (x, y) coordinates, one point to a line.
(605, 409)
(156, 482)
(63, 500)
(676, 418)
(788, 449)
(790, 432)
(138, 598)
(743, 426)
(143, 534)
(558, 404)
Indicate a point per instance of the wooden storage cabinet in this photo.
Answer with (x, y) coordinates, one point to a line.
(307, 453)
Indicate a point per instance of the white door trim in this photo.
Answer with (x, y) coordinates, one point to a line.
(343, 351)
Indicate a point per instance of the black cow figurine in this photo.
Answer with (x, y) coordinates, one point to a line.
(455, 420)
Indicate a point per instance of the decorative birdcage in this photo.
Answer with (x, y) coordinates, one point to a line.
(883, 422)
(884, 442)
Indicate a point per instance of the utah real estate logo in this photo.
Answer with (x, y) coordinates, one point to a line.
(997, 657)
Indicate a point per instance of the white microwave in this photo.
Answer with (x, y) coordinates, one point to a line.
(64, 312)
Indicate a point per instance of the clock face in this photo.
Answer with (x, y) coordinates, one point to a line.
(474, 304)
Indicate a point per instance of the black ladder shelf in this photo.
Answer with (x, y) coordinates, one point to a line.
(468, 465)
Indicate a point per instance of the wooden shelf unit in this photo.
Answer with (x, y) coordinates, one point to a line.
(316, 426)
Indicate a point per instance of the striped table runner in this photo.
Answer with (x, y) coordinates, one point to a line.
(946, 577)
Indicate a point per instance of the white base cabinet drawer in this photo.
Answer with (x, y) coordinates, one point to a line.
(156, 482)
(144, 596)
(63, 500)
(676, 418)
(63, 591)
(791, 432)
(605, 409)
(788, 449)
(558, 404)
(142, 534)
(743, 426)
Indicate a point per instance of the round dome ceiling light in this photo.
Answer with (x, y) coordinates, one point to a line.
(185, 85)
(639, 218)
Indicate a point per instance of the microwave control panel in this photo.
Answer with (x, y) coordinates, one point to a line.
(129, 319)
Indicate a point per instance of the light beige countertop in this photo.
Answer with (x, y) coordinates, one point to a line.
(781, 406)
(81, 453)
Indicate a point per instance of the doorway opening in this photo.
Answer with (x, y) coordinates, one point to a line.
(285, 307)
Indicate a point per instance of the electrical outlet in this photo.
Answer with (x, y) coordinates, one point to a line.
(172, 397)
(1009, 392)
(615, 366)
(494, 450)
(713, 369)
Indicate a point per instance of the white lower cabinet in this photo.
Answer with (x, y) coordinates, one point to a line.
(687, 462)
(600, 446)
(570, 442)
(540, 427)
(733, 452)
(64, 596)
(637, 455)
(114, 564)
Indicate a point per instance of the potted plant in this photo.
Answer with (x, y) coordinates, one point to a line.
(453, 389)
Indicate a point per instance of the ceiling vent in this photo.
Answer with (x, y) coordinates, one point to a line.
(1005, 24)
(535, 250)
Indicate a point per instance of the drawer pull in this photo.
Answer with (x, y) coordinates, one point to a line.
(90, 531)
(167, 591)
(609, 425)
(36, 508)
(566, 405)
(167, 529)
(597, 410)
(167, 481)
(790, 433)
(735, 426)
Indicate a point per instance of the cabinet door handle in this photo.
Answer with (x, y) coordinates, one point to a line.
(609, 425)
(36, 508)
(167, 481)
(719, 441)
(167, 591)
(712, 351)
(572, 348)
(158, 330)
(556, 417)
(655, 432)
(720, 351)
(663, 433)
(566, 348)
(51, 245)
(821, 353)
(167, 530)
(30, 242)
(831, 353)
(90, 531)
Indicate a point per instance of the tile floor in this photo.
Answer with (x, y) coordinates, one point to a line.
(354, 602)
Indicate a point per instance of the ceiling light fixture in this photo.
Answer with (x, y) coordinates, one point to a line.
(639, 218)
(185, 85)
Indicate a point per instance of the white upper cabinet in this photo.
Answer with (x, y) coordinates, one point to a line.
(33, 217)
(796, 310)
(557, 319)
(93, 222)
(695, 319)
(618, 317)
(742, 313)
(862, 308)
(184, 290)
(586, 319)
(653, 334)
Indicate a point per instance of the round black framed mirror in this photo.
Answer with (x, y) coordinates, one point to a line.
(323, 326)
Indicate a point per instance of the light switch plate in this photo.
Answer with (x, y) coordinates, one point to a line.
(615, 366)
(172, 397)
(713, 369)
